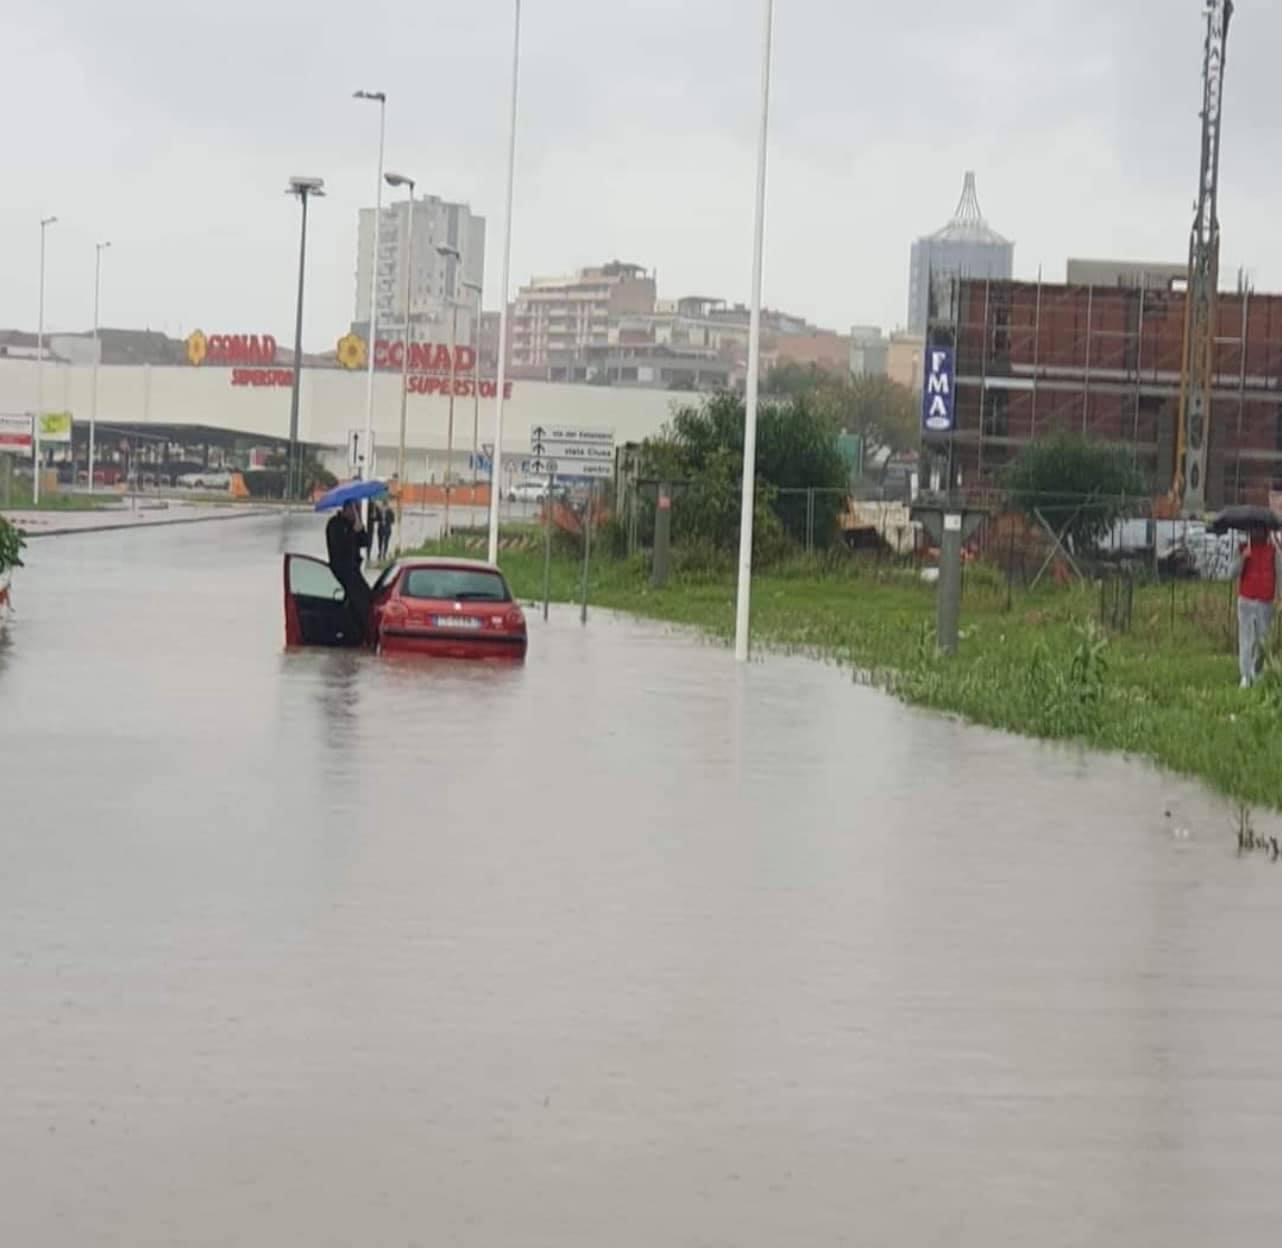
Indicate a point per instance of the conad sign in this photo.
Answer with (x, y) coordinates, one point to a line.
(251, 356)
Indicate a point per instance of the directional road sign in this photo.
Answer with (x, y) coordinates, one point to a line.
(571, 451)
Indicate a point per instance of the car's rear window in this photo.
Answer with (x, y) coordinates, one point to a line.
(459, 584)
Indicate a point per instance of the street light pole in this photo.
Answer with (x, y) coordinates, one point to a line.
(496, 464)
(45, 223)
(367, 466)
(304, 188)
(99, 248)
(754, 357)
(475, 288)
(447, 252)
(397, 179)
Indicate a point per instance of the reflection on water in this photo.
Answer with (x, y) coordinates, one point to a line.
(621, 946)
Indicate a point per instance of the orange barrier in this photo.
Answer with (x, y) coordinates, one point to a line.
(460, 495)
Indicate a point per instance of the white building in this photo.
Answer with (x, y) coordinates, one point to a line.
(437, 284)
(331, 405)
(556, 319)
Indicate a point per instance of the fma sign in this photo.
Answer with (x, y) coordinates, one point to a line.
(938, 393)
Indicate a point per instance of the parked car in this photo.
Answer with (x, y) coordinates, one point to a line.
(528, 492)
(453, 608)
(211, 479)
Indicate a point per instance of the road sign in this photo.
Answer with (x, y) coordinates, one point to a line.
(571, 451)
(355, 448)
(15, 434)
(55, 427)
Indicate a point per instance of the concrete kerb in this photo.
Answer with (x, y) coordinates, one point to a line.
(30, 534)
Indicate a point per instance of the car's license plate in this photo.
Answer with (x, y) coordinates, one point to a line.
(463, 622)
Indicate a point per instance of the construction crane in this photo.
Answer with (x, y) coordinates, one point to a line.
(1193, 435)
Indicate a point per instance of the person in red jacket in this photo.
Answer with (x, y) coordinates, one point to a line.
(1259, 571)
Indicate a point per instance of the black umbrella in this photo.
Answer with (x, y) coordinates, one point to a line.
(1244, 518)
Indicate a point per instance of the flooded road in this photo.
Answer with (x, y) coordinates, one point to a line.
(623, 947)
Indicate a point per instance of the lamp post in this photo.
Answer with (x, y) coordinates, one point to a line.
(754, 357)
(447, 252)
(496, 466)
(305, 189)
(475, 288)
(45, 223)
(399, 179)
(99, 248)
(367, 466)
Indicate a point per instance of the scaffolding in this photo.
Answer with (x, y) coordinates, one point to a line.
(1035, 358)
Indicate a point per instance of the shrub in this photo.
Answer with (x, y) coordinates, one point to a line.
(12, 542)
(797, 449)
(1077, 485)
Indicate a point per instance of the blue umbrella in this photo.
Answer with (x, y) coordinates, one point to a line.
(352, 492)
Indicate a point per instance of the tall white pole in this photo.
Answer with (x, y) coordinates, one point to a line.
(45, 223)
(754, 359)
(367, 467)
(496, 463)
(405, 359)
(97, 353)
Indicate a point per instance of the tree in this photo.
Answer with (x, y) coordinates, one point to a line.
(1080, 487)
(881, 411)
(796, 449)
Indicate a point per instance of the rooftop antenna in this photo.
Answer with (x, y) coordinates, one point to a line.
(968, 212)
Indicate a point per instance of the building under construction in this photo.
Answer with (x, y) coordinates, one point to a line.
(1035, 358)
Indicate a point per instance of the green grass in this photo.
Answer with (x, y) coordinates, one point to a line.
(57, 502)
(1166, 690)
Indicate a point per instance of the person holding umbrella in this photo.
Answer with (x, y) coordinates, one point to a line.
(346, 538)
(1258, 569)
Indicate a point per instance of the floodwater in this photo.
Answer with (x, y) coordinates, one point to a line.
(623, 947)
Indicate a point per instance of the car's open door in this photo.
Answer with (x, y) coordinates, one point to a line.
(316, 610)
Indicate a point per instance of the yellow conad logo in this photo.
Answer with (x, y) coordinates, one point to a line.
(352, 351)
(197, 346)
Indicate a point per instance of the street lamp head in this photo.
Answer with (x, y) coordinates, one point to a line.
(399, 179)
(47, 221)
(474, 287)
(444, 249)
(380, 96)
(102, 246)
(305, 186)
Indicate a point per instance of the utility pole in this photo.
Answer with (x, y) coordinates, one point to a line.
(97, 354)
(304, 189)
(45, 223)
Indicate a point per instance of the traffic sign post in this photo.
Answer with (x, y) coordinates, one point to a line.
(587, 550)
(571, 451)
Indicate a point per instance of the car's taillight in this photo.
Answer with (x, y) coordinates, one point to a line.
(515, 620)
(395, 613)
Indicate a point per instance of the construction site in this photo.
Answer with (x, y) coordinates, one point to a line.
(1184, 375)
(1108, 363)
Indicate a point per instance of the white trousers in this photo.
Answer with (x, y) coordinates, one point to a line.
(1254, 619)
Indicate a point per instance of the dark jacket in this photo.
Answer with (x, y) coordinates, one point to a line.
(344, 545)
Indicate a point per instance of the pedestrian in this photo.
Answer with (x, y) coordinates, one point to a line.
(345, 538)
(386, 519)
(1258, 568)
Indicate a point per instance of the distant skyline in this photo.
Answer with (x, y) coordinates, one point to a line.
(172, 132)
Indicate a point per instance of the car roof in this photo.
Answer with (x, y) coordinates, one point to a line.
(444, 561)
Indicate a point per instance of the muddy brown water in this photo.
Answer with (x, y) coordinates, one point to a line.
(626, 946)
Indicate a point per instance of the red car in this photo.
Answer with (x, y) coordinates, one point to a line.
(457, 608)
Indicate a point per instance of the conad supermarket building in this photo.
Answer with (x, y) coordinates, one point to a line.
(249, 406)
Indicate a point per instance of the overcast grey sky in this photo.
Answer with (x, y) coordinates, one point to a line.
(171, 131)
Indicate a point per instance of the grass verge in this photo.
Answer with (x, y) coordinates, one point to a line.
(1039, 665)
